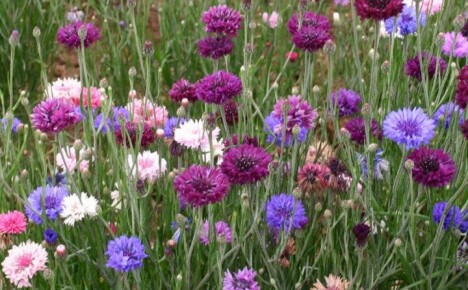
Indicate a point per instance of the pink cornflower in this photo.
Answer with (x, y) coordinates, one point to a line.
(430, 7)
(271, 20)
(69, 160)
(332, 283)
(12, 222)
(143, 110)
(96, 97)
(23, 262)
(148, 166)
(456, 42)
(63, 88)
(193, 134)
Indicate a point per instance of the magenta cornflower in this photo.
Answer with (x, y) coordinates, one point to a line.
(461, 98)
(201, 185)
(215, 47)
(241, 280)
(245, 164)
(222, 234)
(183, 89)
(312, 33)
(347, 101)
(230, 112)
(12, 222)
(219, 87)
(378, 9)
(413, 66)
(68, 35)
(357, 129)
(128, 135)
(53, 115)
(222, 20)
(432, 167)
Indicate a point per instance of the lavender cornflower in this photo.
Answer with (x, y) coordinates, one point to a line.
(241, 280)
(53, 115)
(218, 87)
(125, 254)
(119, 115)
(463, 226)
(68, 35)
(406, 22)
(281, 137)
(45, 201)
(75, 15)
(445, 112)
(452, 218)
(347, 101)
(171, 125)
(215, 47)
(381, 165)
(455, 44)
(15, 122)
(285, 213)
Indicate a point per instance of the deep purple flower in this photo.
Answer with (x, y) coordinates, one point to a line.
(230, 112)
(215, 47)
(312, 33)
(432, 167)
(281, 137)
(298, 112)
(125, 254)
(234, 141)
(245, 164)
(14, 124)
(378, 9)
(222, 20)
(413, 66)
(50, 236)
(453, 216)
(201, 185)
(361, 232)
(445, 112)
(464, 129)
(113, 121)
(45, 201)
(463, 226)
(171, 125)
(357, 129)
(409, 127)
(218, 87)
(464, 30)
(222, 234)
(68, 35)
(241, 280)
(53, 115)
(183, 89)
(347, 101)
(129, 134)
(461, 97)
(285, 213)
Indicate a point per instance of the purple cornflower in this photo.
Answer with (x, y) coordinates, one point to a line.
(413, 66)
(45, 202)
(241, 280)
(218, 87)
(171, 125)
(125, 254)
(347, 101)
(341, 2)
(276, 134)
(312, 33)
(222, 20)
(53, 115)
(183, 89)
(463, 226)
(50, 236)
(285, 213)
(14, 124)
(378, 9)
(215, 47)
(222, 234)
(361, 232)
(129, 134)
(455, 44)
(409, 127)
(245, 164)
(432, 167)
(445, 112)
(201, 185)
(68, 35)
(453, 216)
(296, 111)
(461, 97)
(464, 129)
(381, 165)
(119, 114)
(230, 112)
(357, 129)
(464, 30)
(406, 22)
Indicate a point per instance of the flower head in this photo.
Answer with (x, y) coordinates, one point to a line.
(76, 207)
(312, 33)
(281, 137)
(285, 213)
(112, 121)
(143, 110)
(200, 185)
(129, 135)
(183, 89)
(222, 20)
(455, 44)
(313, 178)
(449, 217)
(14, 123)
(193, 134)
(69, 36)
(445, 113)
(23, 262)
(66, 88)
(53, 115)
(271, 20)
(45, 201)
(215, 47)
(50, 236)
(378, 9)
(69, 160)
(241, 280)
(463, 226)
(461, 98)
(149, 166)
(218, 87)
(432, 167)
(406, 22)
(361, 231)
(430, 7)
(245, 164)
(12, 222)
(230, 112)
(409, 127)
(356, 127)
(222, 234)
(413, 66)
(125, 254)
(297, 112)
(170, 126)
(347, 101)
(332, 283)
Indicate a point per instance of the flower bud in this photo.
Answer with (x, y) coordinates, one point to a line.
(61, 251)
(295, 90)
(159, 133)
(459, 22)
(345, 133)
(385, 66)
(366, 110)
(440, 39)
(36, 32)
(24, 101)
(409, 164)
(329, 47)
(78, 145)
(372, 147)
(327, 214)
(316, 89)
(131, 3)
(398, 242)
(48, 274)
(185, 102)
(24, 174)
(14, 38)
(82, 32)
(103, 83)
(148, 49)
(181, 112)
(336, 19)
(295, 130)
(132, 72)
(318, 206)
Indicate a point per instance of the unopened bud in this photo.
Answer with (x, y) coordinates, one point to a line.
(295, 130)
(185, 102)
(159, 133)
(366, 110)
(336, 19)
(14, 38)
(24, 174)
(181, 112)
(48, 274)
(345, 133)
(440, 39)
(82, 32)
(373, 147)
(104, 83)
(316, 89)
(318, 206)
(385, 66)
(327, 214)
(459, 22)
(61, 251)
(398, 242)
(24, 101)
(252, 25)
(36, 32)
(132, 72)
(409, 164)
(131, 3)
(329, 47)
(295, 90)
(148, 49)
(43, 136)
(78, 145)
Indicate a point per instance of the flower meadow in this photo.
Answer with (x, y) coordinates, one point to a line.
(235, 145)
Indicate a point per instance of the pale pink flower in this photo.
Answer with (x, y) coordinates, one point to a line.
(12, 222)
(218, 149)
(149, 166)
(63, 89)
(192, 134)
(68, 160)
(97, 96)
(23, 262)
(272, 20)
(332, 283)
(143, 110)
(430, 7)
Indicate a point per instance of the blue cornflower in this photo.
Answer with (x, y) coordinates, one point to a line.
(285, 213)
(119, 114)
(409, 127)
(463, 227)
(274, 128)
(14, 124)
(48, 199)
(453, 216)
(171, 125)
(446, 111)
(50, 236)
(125, 254)
(380, 164)
(58, 180)
(406, 22)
